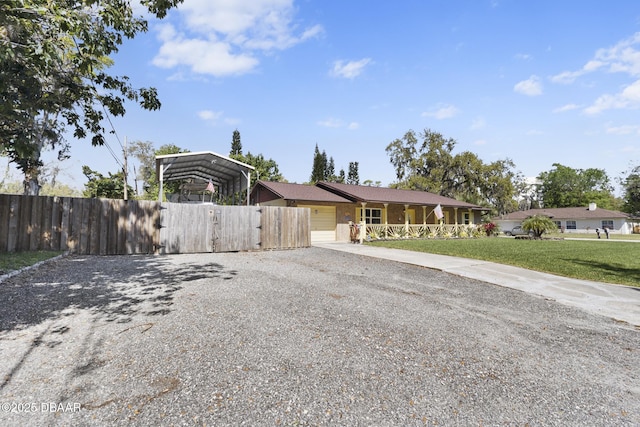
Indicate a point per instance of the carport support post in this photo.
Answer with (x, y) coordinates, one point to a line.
(248, 177)
(161, 179)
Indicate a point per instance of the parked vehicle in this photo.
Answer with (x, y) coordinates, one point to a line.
(518, 231)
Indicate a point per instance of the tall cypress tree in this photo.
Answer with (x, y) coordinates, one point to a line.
(353, 177)
(319, 166)
(236, 145)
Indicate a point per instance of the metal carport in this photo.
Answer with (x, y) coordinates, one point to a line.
(228, 175)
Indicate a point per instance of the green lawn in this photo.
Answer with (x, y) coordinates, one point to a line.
(598, 260)
(593, 235)
(10, 261)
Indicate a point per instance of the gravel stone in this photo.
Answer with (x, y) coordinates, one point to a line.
(308, 337)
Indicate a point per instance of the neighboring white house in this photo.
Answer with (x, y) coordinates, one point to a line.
(573, 220)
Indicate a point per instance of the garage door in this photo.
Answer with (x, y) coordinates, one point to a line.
(323, 223)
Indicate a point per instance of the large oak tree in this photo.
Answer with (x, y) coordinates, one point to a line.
(426, 162)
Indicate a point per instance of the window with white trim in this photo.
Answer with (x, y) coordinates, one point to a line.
(608, 223)
(466, 218)
(571, 225)
(371, 215)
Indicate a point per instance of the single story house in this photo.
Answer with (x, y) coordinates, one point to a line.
(573, 220)
(335, 206)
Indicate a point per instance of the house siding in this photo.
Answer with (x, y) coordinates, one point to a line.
(620, 226)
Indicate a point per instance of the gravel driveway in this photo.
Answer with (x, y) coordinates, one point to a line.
(303, 337)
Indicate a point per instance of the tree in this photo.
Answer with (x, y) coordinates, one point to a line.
(539, 224)
(236, 145)
(145, 153)
(319, 166)
(430, 165)
(152, 185)
(265, 169)
(631, 187)
(330, 172)
(98, 185)
(563, 187)
(53, 57)
(353, 176)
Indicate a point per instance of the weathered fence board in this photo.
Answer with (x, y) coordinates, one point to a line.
(236, 228)
(83, 226)
(192, 228)
(284, 228)
(110, 227)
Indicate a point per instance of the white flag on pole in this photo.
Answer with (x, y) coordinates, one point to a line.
(438, 211)
(210, 187)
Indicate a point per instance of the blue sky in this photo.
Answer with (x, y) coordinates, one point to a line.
(537, 82)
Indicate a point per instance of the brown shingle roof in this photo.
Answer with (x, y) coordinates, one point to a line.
(311, 193)
(566, 213)
(363, 193)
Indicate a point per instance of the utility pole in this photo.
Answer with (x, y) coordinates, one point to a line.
(125, 168)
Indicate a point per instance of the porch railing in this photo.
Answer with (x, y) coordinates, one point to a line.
(421, 231)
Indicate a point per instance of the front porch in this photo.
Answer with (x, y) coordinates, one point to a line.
(421, 231)
(387, 221)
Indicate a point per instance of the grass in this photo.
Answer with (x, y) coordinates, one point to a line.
(11, 261)
(597, 260)
(593, 235)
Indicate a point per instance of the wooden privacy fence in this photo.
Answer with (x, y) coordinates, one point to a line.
(77, 225)
(187, 228)
(112, 227)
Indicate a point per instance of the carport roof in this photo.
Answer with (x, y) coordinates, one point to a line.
(204, 165)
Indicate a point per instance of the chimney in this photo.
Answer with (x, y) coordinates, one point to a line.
(592, 206)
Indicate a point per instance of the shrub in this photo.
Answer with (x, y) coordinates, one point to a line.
(539, 224)
(490, 228)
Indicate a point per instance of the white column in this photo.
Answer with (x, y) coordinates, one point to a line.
(363, 222)
(406, 218)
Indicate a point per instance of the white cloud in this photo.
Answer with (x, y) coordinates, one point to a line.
(568, 107)
(210, 116)
(523, 56)
(624, 57)
(442, 112)
(223, 37)
(349, 70)
(624, 130)
(480, 142)
(529, 87)
(202, 56)
(330, 123)
(337, 123)
(630, 149)
(628, 98)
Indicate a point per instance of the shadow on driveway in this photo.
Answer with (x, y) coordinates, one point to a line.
(114, 287)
